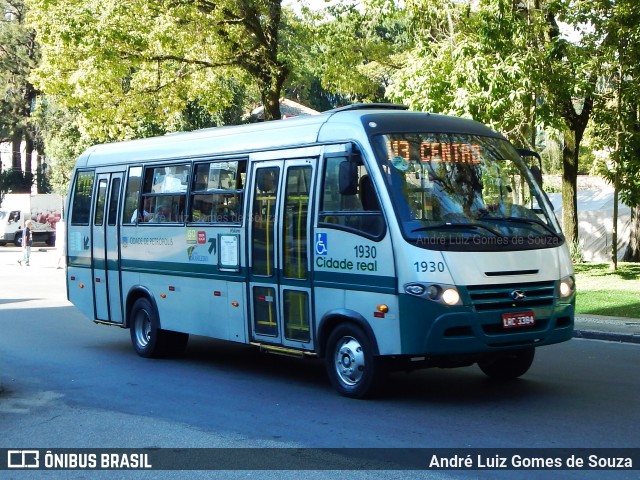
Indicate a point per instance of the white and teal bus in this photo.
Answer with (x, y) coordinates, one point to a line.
(370, 236)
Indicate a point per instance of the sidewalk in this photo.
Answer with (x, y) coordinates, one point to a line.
(616, 329)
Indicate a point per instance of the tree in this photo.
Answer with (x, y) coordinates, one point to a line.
(356, 48)
(19, 55)
(506, 63)
(63, 140)
(573, 70)
(629, 179)
(617, 118)
(122, 65)
(479, 61)
(625, 40)
(304, 84)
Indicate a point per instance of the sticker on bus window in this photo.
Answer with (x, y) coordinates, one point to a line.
(321, 244)
(400, 163)
(229, 252)
(192, 235)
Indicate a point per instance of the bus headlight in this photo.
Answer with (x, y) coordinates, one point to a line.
(451, 296)
(446, 294)
(567, 286)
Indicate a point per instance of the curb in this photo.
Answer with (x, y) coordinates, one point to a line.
(610, 336)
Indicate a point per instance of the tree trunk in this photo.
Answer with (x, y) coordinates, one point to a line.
(262, 62)
(614, 232)
(28, 157)
(618, 159)
(16, 157)
(272, 77)
(632, 253)
(573, 133)
(39, 172)
(271, 100)
(570, 187)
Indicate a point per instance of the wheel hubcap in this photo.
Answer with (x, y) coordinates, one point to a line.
(349, 360)
(143, 329)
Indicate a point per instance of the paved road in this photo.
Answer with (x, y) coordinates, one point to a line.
(71, 383)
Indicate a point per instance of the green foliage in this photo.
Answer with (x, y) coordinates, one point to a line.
(586, 161)
(15, 181)
(357, 48)
(63, 149)
(507, 64)
(43, 184)
(617, 127)
(308, 90)
(551, 153)
(127, 68)
(19, 54)
(576, 252)
(63, 140)
(481, 63)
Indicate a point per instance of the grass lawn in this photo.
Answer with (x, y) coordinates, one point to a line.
(602, 291)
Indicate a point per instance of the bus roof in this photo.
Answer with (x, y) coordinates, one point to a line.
(353, 122)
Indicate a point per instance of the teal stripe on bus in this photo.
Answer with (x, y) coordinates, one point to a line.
(165, 268)
(344, 281)
(181, 269)
(355, 281)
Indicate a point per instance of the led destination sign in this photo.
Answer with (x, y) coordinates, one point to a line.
(435, 151)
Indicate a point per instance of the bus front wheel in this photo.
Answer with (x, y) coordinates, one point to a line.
(508, 365)
(351, 366)
(148, 339)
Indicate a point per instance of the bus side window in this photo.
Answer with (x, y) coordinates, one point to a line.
(217, 193)
(81, 207)
(350, 203)
(164, 194)
(131, 213)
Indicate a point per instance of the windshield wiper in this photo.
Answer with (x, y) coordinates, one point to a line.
(457, 226)
(527, 221)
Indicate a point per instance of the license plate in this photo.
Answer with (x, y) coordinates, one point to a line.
(517, 320)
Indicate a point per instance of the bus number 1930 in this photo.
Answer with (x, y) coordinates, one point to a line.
(365, 251)
(430, 267)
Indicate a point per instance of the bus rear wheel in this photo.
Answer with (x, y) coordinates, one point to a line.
(508, 365)
(352, 368)
(148, 339)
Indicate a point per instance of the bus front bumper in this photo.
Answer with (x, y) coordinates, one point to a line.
(461, 330)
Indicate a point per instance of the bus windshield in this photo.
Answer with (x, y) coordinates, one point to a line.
(465, 192)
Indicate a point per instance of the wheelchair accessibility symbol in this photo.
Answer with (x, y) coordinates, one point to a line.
(321, 244)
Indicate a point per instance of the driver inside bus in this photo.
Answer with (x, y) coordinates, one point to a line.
(163, 214)
(145, 216)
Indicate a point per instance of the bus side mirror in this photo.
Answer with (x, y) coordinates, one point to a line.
(536, 170)
(348, 178)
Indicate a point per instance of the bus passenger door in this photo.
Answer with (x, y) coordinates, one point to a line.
(105, 248)
(279, 244)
